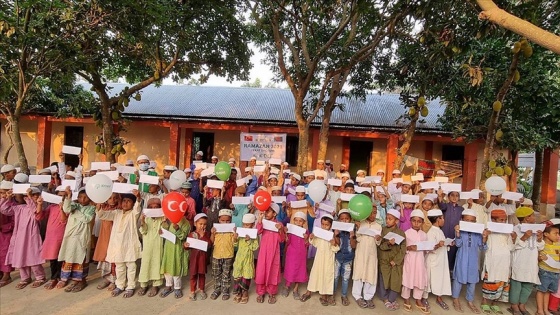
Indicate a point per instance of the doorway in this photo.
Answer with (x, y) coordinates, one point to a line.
(360, 156)
(73, 136)
(203, 141)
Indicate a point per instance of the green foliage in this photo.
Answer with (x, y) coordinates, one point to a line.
(255, 84)
(67, 101)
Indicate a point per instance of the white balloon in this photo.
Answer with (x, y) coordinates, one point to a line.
(174, 183)
(495, 185)
(99, 188)
(317, 190)
(179, 176)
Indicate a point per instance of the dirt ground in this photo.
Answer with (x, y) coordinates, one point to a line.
(91, 300)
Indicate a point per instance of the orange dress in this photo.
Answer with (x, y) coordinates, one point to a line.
(102, 244)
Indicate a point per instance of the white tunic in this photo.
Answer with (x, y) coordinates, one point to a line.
(365, 257)
(524, 260)
(437, 265)
(124, 244)
(497, 260)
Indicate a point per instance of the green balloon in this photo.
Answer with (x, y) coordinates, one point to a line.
(360, 207)
(222, 170)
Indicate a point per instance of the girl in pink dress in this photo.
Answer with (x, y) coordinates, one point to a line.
(295, 270)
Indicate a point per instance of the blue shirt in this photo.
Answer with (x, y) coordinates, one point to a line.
(346, 252)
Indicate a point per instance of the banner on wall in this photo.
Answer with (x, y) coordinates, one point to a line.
(263, 146)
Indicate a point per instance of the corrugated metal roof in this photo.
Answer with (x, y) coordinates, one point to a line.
(266, 105)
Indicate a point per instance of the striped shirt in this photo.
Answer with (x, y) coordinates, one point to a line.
(552, 250)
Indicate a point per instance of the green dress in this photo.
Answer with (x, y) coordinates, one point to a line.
(152, 251)
(244, 265)
(175, 260)
(392, 276)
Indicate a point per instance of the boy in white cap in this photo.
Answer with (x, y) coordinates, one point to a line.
(198, 258)
(167, 171)
(321, 278)
(393, 186)
(214, 159)
(8, 172)
(391, 258)
(308, 210)
(437, 264)
(244, 267)
(222, 256)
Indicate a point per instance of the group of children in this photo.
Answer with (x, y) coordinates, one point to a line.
(385, 253)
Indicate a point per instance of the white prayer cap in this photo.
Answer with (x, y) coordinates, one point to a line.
(300, 215)
(327, 216)
(170, 168)
(380, 190)
(320, 173)
(345, 174)
(381, 171)
(360, 171)
(214, 157)
(320, 161)
(35, 190)
(407, 183)
(296, 176)
(45, 170)
(248, 169)
(394, 213)
(396, 172)
(470, 212)
(440, 172)
(328, 162)
(300, 189)
(60, 188)
(129, 162)
(429, 197)
(71, 174)
(275, 207)
(7, 168)
(417, 213)
(435, 213)
(253, 158)
(224, 212)
(22, 178)
(527, 202)
(248, 218)
(231, 160)
(199, 216)
(272, 176)
(141, 157)
(6, 185)
(307, 173)
(343, 211)
(200, 153)
(350, 181)
(187, 170)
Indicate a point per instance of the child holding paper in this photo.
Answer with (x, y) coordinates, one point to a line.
(307, 210)
(267, 276)
(175, 260)
(321, 278)
(152, 250)
(548, 275)
(295, 270)
(365, 271)
(24, 251)
(320, 209)
(406, 206)
(391, 257)
(222, 257)
(198, 258)
(345, 256)
(497, 264)
(124, 245)
(348, 189)
(239, 210)
(56, 224)
(6, 230)
(524, 262)
(382, 202)
(465, 270)
(75, 249)
(437, 265)
(414, 267)
(213, 205)
(108, 269)
(243, 267)
(276, 191)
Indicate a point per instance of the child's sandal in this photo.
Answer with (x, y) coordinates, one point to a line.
(203, 295)
(22, 284)
(389, 306)
(271, 299)
(116, 292)
(105, 283)
(345, 301)
(237, 298)
(153, 291)
(306, 296)
(165, 292)
(244, 299)
(215, 295)
(4, 283)
(70, 287)
(486, 309)
(331, 300)
(79, 286)
(324, 301)
(50, 285)
(496, 309)
(178, 294)
(128, 293)
(61, 284)
(192, 296)
(260, 299)
(142, 291)
(37, 283)
(407, 307)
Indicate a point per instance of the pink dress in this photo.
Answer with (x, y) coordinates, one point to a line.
(6, 229)
(268, 262)
(295, 269)
(25, 245)
(55, 231)
(414, 270)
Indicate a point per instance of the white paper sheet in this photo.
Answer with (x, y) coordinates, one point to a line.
(449, 187)
(224, 227)
(441, 179)
(465, 195)
(360, 190)
(218, 184)
(471, 227)
(343, 226)
(513, 196)
(67, 149)
(278, 199)
(69, 182)
(260, 163)
(416, 178)
(448, 241)
(197, 244)
(397, 180)
(200, 166)
(275, 161)
(346, 197)
(326, 207)
(334, 182)
(20, 189)
(292, 191)
(113, 175)
(207, 172)
(241, 200)
(40, 179)
(410, 198)
(360, 179)
(367, 231)
(551, 262)
(323, 234)
(101, 166)
(524, 227)
(242, 232)
(149, 179)
(298, 204)
(425, 245)
(258, 169)
(373, 179)
(269, 225)
(240, 182)
(420, 176)
(431, 196)
(429, 185)
(397, 237)
(124, 188)
(274, 170)
(168, 236)
(296, 230)
(53, 168)
(123, 169)
(503, 228)
(50, 198)
(153, 213)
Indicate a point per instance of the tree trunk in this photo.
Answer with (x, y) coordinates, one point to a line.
(513, 177)
(407, 141)
(303, 147)
(19, 145)
(324, 132)
(537, 178)
(11, 145)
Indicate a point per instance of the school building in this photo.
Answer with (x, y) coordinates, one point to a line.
(172, 122)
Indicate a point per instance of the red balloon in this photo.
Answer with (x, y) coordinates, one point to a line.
(262, 200)
(174, 206)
